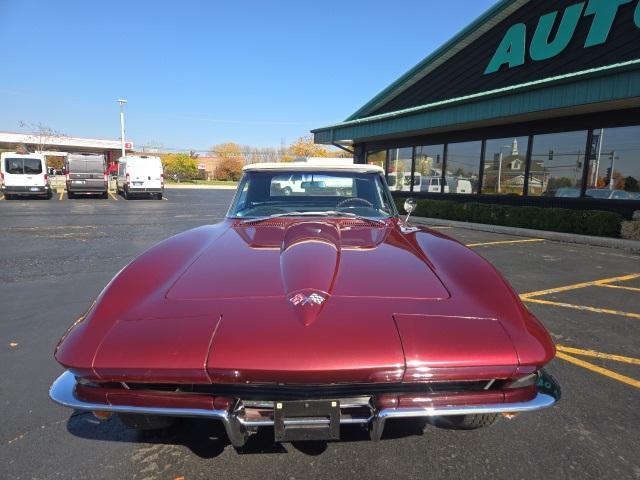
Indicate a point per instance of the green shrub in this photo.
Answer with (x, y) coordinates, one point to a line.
(583, 222)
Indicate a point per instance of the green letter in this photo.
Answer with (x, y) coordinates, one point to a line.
(541, 48)
(511, 49)
(604, 13)
(636, 17)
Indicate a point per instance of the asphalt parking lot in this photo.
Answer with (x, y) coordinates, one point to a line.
(56, 256)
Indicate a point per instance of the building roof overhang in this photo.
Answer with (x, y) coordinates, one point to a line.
(61, 141)
(587, 91)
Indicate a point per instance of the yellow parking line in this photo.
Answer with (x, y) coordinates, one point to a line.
(113, 196)
(621, 287)
(505, 242)
(438, 227)
(1, 197)
(602, 371)
(61, 195)
(581, 307)
(580, 285)
(165, 198)
(594, 354)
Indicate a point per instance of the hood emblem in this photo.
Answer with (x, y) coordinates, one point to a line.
(302, 299)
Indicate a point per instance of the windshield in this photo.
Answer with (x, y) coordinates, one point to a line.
(278, 193)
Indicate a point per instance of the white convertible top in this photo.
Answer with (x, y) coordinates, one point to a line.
(305, 167)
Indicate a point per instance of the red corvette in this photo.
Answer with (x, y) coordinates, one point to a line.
(310, 306)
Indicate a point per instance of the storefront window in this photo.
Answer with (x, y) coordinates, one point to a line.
(428, 174)
(463, 167)
(557, 164)
(377, 157)
(614, 164)
(399, 169)
(505, 161)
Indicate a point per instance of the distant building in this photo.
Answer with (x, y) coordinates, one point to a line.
(61, 145)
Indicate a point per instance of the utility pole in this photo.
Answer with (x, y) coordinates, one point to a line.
(122, 102)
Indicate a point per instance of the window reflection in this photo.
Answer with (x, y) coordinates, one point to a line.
(428, 174)
(399, 169)
(557, 164)
(463, 167)
(614, 164)
(505, 162)
(377, 157)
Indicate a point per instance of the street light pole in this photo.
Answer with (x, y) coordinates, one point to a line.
(122, 102)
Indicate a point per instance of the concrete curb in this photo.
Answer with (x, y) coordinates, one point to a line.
(199, 187)
(632, 246)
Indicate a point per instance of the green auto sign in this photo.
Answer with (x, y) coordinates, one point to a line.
(512, 50)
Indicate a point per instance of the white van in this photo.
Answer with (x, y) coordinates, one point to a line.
(433, 184)
(140, 174)
(24, 174)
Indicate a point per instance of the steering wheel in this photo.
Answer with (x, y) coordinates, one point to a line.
(353, 202)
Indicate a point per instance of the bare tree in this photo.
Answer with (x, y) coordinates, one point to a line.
(42, 135)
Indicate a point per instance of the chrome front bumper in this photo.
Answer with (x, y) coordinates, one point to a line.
(62, 391)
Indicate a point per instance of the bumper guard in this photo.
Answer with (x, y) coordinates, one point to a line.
(62, 391)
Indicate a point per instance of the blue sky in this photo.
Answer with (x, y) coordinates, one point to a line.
(197, 73)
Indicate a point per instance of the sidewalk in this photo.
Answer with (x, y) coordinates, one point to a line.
(631, 246)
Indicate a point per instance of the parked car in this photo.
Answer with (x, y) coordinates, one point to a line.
(86, 173)
(306, 312)
(140, 175)
(605, 193)
(567, 192)
(288, 185)
(24, 175)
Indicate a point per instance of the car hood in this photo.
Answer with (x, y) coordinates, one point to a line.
(309, 291)
(290, 300)
(280, 258)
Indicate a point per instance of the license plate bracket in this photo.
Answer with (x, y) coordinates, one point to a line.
(306, 420)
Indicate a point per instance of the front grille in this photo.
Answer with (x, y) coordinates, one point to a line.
(302, 392)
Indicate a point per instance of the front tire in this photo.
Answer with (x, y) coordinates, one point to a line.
(146, 422)
(159, 196)
(125, 193)
(465, 422)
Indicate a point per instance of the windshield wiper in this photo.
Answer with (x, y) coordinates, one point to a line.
(323, 213)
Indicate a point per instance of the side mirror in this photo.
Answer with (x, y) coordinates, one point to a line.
(410, 206)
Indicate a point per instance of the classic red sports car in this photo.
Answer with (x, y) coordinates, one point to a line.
(312, 305)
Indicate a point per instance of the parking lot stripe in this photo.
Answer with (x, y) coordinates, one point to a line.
(602, 371)
(580, 285)
(113, 196)
(594, 354)
(621, 287)
(580, 307)
(61, 195)
(505, 242)
(1, 197)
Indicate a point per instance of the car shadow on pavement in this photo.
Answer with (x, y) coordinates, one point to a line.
(208, 439)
